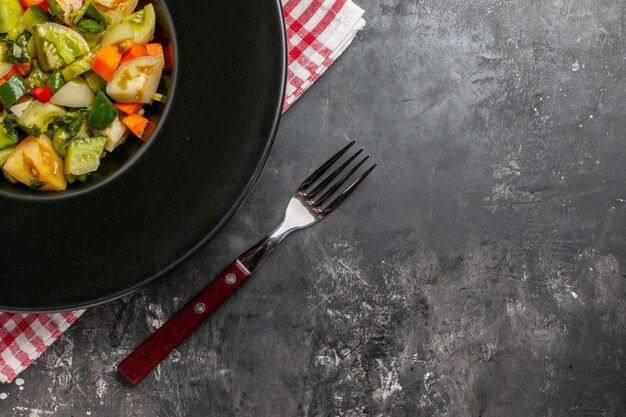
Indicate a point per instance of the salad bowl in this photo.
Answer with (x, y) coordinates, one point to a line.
(152, 205)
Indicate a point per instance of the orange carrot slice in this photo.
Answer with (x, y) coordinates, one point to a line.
(136, 123)
(129, 108)
(22, 69)
(106, 62)
(134, 51)
(155, 49)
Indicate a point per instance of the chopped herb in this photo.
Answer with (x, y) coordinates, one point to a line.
(89, 19)
(36, 184)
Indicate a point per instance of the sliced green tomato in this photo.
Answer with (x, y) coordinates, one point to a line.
(58, 45)
(75, 93)
(118, 33)
(34, 15)
(143, 24)
(115, 10)
(4, 154)
(83, 155)
(10, 14)
(38, 116)
(102, 112)
(137, 80)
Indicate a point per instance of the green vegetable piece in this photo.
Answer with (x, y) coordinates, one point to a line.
(12, 90)
(60, 140)
(55, 10)
(118, 33)
(56, 81)
(37, 184)
(71, 179)
(4, 154)
(15, 31)
(94, 40)
(6, 52)
(58, 45)
(73, 125)
(94, 81)
(5, 55)
(38, 116)
(89, 19)
(102, 113)
(81, 12)
(143, 24)
(159, 97)
(10, 14)
(22, 43)
(78, 67)
(83, 155)
(36, 77)
(8, 131)
(32, 51)
(34, 15)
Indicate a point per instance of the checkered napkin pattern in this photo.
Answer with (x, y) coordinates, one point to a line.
(318, 31)
(23, 337)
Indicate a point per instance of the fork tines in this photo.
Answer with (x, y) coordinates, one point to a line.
(327, 182)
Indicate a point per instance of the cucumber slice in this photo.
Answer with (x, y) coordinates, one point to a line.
(94, 81)
(78, 67)
(83, 155)
(34, 15)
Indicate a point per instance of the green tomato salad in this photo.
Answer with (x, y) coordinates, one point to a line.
(77, 78)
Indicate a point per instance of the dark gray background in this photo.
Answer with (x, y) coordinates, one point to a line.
(477, 273)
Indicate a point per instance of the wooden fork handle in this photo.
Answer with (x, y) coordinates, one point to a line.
(146, 357)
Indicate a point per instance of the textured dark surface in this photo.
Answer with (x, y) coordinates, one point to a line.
(479, 272)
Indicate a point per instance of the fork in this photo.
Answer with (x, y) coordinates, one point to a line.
(308, 206)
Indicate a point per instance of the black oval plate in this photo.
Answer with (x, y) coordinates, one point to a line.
(68, 251)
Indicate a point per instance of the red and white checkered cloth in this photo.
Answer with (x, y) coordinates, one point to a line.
(318, 31)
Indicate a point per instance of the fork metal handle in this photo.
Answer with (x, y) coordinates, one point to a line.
(146, 357)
